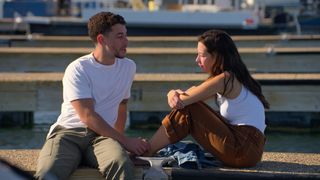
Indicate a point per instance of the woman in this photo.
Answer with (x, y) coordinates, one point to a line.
(235, 136)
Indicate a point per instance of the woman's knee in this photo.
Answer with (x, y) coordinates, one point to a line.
(179, 115)
(177, 124)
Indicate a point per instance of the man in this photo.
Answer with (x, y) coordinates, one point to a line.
(90, 128)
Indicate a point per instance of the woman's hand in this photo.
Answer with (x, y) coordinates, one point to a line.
(174, 100)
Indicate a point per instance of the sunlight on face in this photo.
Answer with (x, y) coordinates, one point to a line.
(204, 59)
(118, 40)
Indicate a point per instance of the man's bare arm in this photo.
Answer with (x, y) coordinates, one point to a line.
(85, 110)
(122, 116)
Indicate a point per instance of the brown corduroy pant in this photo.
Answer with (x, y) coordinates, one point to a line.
(235, 146)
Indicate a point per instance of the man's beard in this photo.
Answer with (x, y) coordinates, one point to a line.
(118, 56)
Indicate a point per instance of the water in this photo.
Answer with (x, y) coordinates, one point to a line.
(17, 138)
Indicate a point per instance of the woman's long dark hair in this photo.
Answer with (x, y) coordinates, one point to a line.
(227, 58)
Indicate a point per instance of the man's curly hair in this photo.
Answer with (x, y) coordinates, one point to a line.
(102, 22)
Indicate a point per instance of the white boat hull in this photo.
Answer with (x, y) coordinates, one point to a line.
(233, 19)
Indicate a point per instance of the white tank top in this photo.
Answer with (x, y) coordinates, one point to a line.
(246, 109)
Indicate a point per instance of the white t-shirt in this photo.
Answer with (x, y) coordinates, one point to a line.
(246, 109)
(107, 85)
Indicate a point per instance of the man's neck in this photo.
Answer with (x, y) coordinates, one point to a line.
(103, 57)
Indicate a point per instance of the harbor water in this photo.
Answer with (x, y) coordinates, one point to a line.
(303, 142)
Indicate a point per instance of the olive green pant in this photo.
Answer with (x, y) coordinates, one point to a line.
(235, 146)
(65, 149)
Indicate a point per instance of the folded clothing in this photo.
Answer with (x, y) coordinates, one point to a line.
(188, 155)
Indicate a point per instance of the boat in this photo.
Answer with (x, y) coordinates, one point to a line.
(157, 18)
(170, 17)
(182, 14)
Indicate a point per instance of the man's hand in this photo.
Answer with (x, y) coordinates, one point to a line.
(136, 146)
(88, 116)
(174, 100)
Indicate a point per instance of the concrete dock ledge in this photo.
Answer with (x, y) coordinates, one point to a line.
(274, 165)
